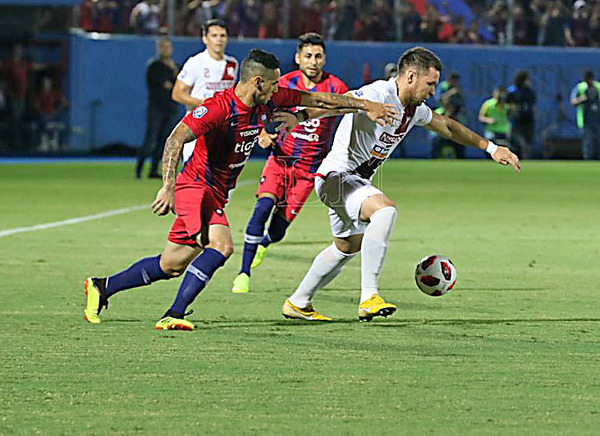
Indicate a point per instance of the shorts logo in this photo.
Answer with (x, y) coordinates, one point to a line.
(358, 93)
(294, 212)
(199, 112)
(219, 212)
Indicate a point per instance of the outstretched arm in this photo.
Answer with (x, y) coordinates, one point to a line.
(380, 113)
(451, 129)
(165, 198)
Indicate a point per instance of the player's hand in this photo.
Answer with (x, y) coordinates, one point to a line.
(382, 114)
(506, 157)
(287, 119)
(165, 201)
(266, 139)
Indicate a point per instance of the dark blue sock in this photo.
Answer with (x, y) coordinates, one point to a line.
(255, 231)
(141, 273)
(196, 277)
(277, 229)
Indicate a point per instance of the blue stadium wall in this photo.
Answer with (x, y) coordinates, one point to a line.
(108, 96)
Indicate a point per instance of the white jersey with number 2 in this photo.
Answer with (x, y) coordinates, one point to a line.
(361, 145)
(206, 76)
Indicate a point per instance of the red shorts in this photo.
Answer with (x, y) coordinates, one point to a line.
(291, 185)
(196, 207)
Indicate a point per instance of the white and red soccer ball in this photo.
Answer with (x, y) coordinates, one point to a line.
(435, 275)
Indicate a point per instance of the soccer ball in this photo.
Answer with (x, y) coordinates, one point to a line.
(435, 275)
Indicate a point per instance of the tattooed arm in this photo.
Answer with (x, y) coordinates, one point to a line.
(165, 198)
(378, 112)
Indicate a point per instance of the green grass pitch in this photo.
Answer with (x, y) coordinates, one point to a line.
(514, 349)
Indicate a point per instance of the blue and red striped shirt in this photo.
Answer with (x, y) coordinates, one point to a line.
(227, 130)
(308, 143)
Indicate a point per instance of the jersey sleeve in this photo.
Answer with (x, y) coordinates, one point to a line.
(205, 117)
(186, 75)
(368, 92)
(285, 97)
(423, 115)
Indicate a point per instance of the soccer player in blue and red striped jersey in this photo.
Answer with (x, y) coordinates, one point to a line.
(226, 126)
(288, 175)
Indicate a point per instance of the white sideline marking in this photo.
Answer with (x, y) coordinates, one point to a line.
(70, 221)
(83, 219)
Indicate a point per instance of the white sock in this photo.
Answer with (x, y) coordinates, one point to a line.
(326, 266)
(373, 249)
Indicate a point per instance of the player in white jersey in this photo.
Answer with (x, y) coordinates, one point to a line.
(361, 216)
(207, 72)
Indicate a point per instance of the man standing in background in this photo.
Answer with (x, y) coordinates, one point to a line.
(161, 74)
(207, 72)
(521, 101)
(585, 97)
(494, 115)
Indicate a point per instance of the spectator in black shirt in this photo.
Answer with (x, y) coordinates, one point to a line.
(521, 100)
(161, 74)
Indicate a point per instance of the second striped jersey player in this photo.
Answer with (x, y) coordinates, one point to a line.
(288, 176)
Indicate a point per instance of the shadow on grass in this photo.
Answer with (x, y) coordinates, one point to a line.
(407, 289)
(294, 324)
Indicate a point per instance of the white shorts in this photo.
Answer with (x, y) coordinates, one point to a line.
(344, 193)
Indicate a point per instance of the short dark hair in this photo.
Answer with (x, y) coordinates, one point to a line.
(256, 63)
(310, 38)
(216, 22)
(454, 76)
(520, 78)
(419, 57)
(588, 75)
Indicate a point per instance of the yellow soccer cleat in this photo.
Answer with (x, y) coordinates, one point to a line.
(170, 323)
(261, 252)
(308, 313)
(94, 299)
(241, 284)
(374, 306)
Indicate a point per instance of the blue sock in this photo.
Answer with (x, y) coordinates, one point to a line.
(277, 229)
(255, 231)
(196, 277)
(141, 273)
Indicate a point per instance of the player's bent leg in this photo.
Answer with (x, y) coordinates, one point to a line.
(381, 214)
(170, 263)
(325, 267)
(176, 258)
(199, 272)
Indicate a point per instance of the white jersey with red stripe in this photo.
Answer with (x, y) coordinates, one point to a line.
(361, 145)
(207, 75)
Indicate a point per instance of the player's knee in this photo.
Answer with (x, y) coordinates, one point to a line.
(225, 248)
(173, 269)
(386, 202)
(348, 246)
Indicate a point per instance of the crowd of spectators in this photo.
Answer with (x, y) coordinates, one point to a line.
(535, 22)
(31, 103)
